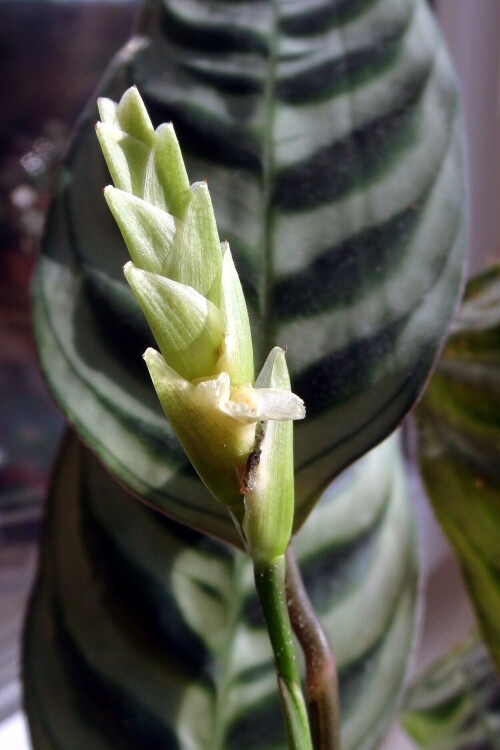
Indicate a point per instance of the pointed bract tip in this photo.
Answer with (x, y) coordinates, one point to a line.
(199, 185)
(149, 353)
(166, 126)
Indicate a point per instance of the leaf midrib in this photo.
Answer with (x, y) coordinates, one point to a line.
(265, 340)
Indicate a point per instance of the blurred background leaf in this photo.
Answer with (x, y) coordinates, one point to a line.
(455, 705)
(459, 447)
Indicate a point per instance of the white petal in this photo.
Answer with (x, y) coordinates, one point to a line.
(280, 405)
(249, 404)
(216, 391)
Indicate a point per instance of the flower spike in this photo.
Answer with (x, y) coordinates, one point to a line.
(237, 435)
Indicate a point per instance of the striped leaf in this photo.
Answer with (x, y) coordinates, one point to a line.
(329, 134)
(150, 634)
(459, 446)
(455, 704)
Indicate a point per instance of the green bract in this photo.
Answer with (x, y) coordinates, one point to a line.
(186, 283)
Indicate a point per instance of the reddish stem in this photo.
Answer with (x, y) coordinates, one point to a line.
(321, 672)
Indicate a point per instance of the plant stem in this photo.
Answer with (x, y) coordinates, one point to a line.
(270, 585)
(321, 672)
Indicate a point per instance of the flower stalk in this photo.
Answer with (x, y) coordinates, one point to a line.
(270, 585)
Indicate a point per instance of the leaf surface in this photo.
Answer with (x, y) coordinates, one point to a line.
(459, 447)
(150, 635)
(454, 705)
(328, 132)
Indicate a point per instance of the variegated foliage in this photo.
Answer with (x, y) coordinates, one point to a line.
(455, 704)
(329, 134)
(145, 634)
(459, 447)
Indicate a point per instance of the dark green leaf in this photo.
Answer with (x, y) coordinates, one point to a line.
(330, 138)
(146, 634)
(455, 705)
(459, 447)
